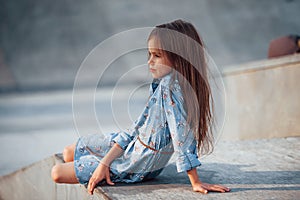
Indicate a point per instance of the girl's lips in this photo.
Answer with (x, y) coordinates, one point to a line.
(152, 70)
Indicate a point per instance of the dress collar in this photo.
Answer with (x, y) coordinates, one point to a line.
(164, 80)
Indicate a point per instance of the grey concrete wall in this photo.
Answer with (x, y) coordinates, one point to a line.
(263, 99)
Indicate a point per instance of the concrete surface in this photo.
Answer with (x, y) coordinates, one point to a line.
(257, 169)
(42, 44)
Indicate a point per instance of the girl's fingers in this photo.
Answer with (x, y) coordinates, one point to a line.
(217, 188)
(108, 180)
(205, 188)
(91, 187)
(92, 184)
(221, 188)
(202, 190)
(94, 181)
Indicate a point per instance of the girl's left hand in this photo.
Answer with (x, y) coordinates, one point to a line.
(205, 188)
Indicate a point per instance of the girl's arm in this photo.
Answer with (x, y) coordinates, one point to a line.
(184, 142)
(102, 171)
(198, 186)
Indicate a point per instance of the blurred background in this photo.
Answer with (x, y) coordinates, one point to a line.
(43, 43)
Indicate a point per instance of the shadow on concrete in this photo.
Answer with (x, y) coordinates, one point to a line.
(235, 174)
(218, 173)
(283, 188)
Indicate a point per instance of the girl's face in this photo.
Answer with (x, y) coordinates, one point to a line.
(159, 65)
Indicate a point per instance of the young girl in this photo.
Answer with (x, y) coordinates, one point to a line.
(176, 119)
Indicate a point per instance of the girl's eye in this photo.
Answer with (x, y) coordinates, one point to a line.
(153, 54)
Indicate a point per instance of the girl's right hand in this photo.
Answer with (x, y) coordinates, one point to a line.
(100, 173)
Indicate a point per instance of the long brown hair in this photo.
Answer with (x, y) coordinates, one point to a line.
(182, 45)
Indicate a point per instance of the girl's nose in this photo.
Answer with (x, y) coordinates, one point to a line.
(150, 60)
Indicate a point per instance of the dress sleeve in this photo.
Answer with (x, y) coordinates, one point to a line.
(123, 139)
(185, 145)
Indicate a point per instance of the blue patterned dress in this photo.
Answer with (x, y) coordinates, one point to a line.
(160, 131)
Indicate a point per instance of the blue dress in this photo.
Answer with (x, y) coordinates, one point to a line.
(148, 145)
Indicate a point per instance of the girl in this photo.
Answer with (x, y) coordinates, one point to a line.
(177, 118)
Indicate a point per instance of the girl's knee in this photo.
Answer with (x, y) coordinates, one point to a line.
(56, 173)
(64, 173)
(68, 153)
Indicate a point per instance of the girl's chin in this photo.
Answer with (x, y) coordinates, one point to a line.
(158, 76)
(155, 76)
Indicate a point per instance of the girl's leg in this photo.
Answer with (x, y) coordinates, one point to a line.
(64, 173)
(68, 153)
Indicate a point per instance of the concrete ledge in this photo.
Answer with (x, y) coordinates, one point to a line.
(34, 182)
(260, 65)
(263, 99)
(273, 172)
